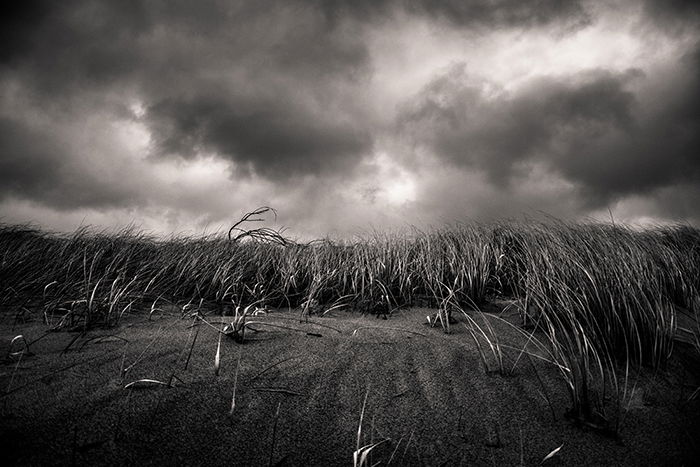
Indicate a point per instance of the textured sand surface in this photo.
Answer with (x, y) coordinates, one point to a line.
(427, 396)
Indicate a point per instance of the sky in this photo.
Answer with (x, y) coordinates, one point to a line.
(347, 117)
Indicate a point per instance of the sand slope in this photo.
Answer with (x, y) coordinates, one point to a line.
(427, 396)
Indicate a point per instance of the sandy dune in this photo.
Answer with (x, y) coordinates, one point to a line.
(428, 399)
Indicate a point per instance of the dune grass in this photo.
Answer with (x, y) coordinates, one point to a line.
(603, 298)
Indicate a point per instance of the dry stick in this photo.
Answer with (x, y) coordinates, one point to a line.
(315, 323)
(35, 380)
(140, 357)
(122, 375)
(280, 390)
(274, 434)
(248, 324)
(272, 366)
(408, 444)
(522, 454)
(189, 355)
(394, 451)
(117, 426)
(184, 347)
(46, 333)
(390, 328)
(155, 411)
(201, 318)
(12, 378)
(78, 336)
(274, 326)
(14, 372)
(97, 338)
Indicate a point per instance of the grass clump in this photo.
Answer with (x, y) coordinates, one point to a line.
(604, 298)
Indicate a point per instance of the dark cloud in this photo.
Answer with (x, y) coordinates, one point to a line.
(18, 22)
(285, 91)
(274, 86)
(587, 128)
(471, 122)
(506, 12)
(268, 88)
(658, 150)
(37, 165)
(276, 139)
(469, 13)
(24, 153)
(674, 16)
(64, 47)
(73, 44)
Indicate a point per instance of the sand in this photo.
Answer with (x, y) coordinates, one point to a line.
(299, 396)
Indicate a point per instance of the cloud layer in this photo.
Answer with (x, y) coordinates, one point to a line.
(346, 115)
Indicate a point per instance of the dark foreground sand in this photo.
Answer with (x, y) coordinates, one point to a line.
(427, 396)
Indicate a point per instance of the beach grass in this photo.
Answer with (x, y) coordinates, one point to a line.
(602, 300)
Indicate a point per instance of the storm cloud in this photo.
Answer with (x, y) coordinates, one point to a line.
(178, 115)
(590, 128)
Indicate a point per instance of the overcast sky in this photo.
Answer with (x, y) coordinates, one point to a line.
(346, 116)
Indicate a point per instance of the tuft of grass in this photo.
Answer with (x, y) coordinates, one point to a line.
(217, 356)
(553, 453)
(603, 299)
(360, 457)
(235, 385)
